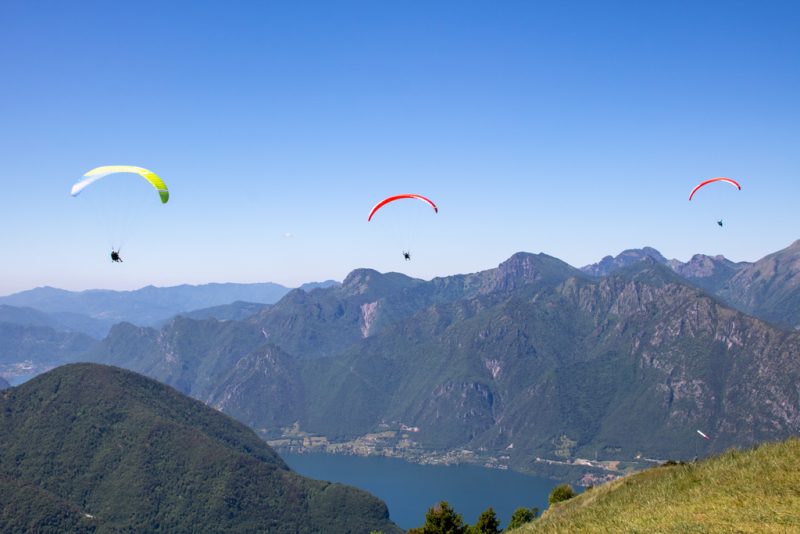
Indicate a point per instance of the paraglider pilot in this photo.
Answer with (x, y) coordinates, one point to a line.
(407, 255)
(115, 257)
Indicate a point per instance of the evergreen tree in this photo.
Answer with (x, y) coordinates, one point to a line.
(442, 519)
(487, 523)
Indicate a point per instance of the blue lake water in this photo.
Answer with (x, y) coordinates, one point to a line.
(410, 489)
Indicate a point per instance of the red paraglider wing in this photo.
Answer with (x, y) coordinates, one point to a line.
(720, 179)
(385, 201)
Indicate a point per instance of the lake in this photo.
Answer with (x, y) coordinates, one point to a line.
(410, 489)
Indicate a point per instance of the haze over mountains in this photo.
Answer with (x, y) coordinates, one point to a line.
(534, 358)
(94, 311)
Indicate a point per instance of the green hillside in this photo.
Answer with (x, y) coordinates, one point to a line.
(87, 446)
(739, 491)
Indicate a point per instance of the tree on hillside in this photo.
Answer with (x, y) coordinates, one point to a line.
(487, 523)
(561, 493)
(441, 519)
(522, 516)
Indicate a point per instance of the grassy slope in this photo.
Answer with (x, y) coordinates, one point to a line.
(740, 491)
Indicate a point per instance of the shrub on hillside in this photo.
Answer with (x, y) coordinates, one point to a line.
(561, 493)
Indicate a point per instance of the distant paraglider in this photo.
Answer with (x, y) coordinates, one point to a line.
(730, 181)
(382, 203)
(115, 257)
(703, 435)
(385, 201)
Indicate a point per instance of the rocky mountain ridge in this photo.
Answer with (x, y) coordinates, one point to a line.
(532, 359)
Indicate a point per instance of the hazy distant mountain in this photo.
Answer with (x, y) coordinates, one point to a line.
(236, 311)
(143, 306)
(241, 310)
(26, 316)
(533, 354)
(40, 344)
(87, 447)
(61, 321)
(32, 342)
(95, 311)
(769, 288)
(310, 286)
(4, 383)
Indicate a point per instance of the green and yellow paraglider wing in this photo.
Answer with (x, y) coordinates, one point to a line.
(101, 172)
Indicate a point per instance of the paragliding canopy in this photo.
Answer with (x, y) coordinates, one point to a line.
(385, 201)
(703, 434)
(720, 179)
(101, 172)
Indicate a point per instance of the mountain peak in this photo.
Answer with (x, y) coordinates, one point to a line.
(650, 270)
(362, 281)
(625, 258)
(525, 268)
(523, 265)
(359, 277)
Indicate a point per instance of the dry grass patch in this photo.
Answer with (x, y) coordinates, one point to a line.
(756, 490)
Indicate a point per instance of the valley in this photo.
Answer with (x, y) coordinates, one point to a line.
(533, 366)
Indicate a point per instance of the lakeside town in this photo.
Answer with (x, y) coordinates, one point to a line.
(398, 443)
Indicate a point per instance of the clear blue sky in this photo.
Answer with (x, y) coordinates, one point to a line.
(571, 128)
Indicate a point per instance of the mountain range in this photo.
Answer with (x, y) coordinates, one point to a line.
(93, 312)
(768, 288)
(531, 364)
(534, 361)
(89, 448)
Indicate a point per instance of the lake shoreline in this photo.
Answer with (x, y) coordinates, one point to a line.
(579, 472)
(410, 489)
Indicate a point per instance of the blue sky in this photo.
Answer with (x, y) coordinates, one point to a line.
(571, 128)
